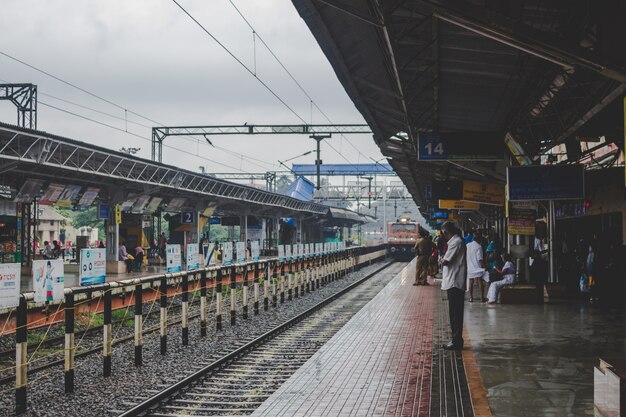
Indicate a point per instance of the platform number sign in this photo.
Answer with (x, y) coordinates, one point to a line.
(431, 147)
(186, 217)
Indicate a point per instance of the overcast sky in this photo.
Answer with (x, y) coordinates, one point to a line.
(148, 57)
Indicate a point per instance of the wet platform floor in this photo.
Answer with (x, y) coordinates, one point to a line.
(519, 360)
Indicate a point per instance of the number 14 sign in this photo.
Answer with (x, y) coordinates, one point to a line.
(461, 146)
(432, 146)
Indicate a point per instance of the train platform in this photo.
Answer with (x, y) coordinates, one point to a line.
(518, 360)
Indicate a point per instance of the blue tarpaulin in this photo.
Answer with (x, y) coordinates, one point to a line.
(302, 189)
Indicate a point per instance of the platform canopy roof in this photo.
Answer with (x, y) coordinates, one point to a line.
(29, 154)
(543, 72)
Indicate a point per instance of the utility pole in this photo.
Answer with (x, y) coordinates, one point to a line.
(369, 191)
(318, 161)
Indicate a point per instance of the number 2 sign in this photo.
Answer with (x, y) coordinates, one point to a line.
(186, 217)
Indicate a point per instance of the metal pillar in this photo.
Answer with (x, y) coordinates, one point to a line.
(551, 232)
(163, 318)
(107, 343)
(185, 310)
(138, 325)
(318, 160)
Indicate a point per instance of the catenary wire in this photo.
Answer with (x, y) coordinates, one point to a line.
(313, 103)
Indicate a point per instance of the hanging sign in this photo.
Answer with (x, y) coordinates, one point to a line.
(546, 182)
(88, 197)
(153, 205)
(460, 146)
(485, 193)
(254, 248)
(227, 253)
(175, 204)
(193, 257)
(68, 196)
(241, 251)
(458, 204)
(173, 258)
(48, 282)
(10, 275)
(140, 204)
(52, 194)
(28, 192)
(93, 266)
(186, 217)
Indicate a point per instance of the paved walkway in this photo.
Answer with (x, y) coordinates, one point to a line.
(519, 360)
(378, 364)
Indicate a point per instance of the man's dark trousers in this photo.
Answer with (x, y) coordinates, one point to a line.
(456, 300)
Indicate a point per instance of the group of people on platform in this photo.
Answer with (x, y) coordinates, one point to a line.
(464, 260)
(52, 251)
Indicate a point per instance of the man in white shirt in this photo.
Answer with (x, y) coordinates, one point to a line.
(475, 267)
(454, 282)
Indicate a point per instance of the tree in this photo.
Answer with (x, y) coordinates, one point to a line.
(89, 218)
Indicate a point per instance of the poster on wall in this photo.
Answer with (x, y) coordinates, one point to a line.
(48, 282)
(227, 253)
(256, 253)
(193, 257)
(296, 251)
(88, 197)
(68, 196)
(288, 252)
(10, 275)
(173, 258)
(241, 251)
(301, 250)
(209, 253)
(310, 249)
(52, 194)
(318, 248)
(281, 253)
(93, 266)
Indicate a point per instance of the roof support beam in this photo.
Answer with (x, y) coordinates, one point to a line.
(498, 28)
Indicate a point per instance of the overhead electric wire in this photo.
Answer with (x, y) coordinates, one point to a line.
(136, 135)
(291, 75)
(77, 87)
(239, 61)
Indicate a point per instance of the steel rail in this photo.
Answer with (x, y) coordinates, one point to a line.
(172, 390)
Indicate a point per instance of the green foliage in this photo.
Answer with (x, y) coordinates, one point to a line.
(89, 218)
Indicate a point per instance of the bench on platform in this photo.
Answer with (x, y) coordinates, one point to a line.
(521, 294)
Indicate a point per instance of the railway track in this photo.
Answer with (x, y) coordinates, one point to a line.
(237, 383)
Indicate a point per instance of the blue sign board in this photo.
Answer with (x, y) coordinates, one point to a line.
(440, 215)
(215, 220)
(103, 211)
(186, 217)
(546, 182)
(461, 146)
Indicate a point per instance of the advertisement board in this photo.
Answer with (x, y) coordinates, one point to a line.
(281, 253)
(227, 253)
(193, 257)
(256, 252)
(48, 282)
(173, 258)
(93, 266)
(241, 251)
(10, 276)
(288, 252)
(522, 215)
(209, 253)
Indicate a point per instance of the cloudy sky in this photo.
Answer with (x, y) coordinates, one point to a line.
(148, 57)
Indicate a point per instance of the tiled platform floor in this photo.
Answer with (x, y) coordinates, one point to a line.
(520, 360)
(378, 364)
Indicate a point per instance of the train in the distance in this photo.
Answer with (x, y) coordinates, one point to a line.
(401, 236)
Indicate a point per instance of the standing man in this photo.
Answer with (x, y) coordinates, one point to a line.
(475, 266)
(454, 281)
(423, 250)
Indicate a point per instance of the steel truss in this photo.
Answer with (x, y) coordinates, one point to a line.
(160, 133)
(37, 149)
(24, 96)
